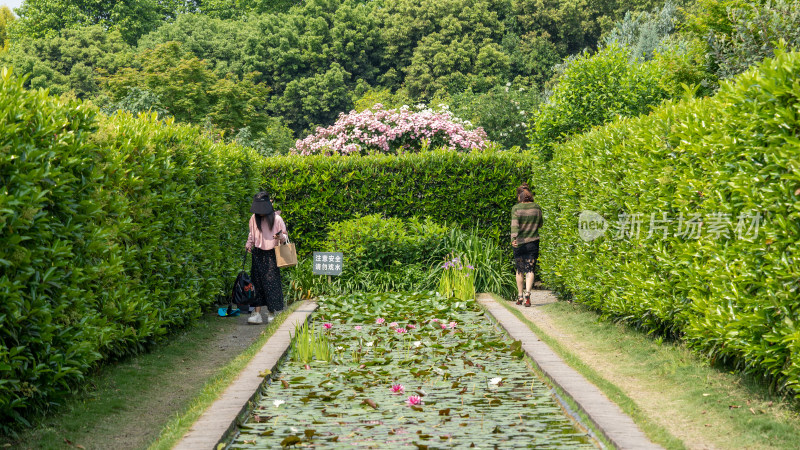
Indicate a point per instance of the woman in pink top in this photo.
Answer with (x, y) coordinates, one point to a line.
(266, 230)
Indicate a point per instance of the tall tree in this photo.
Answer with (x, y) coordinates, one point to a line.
(6, 19)
(189, 90)
(69, 60)
(133, 18)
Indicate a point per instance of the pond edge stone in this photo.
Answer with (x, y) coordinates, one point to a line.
(219, 420)
(610, 420)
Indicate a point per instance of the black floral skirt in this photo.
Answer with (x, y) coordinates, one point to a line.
(266, 279)
(525, 257)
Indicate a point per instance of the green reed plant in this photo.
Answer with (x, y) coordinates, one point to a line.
(492, 269)
(356, 355)
(323, 351)
(457, 279)
(303, 345)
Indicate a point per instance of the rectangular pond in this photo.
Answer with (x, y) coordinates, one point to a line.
(406, 370)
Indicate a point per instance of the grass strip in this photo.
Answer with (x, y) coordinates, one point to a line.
(655, 432)
(176, 428)
(702, 404)
(124, 404)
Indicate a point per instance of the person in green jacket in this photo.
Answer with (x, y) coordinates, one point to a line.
(526, 220)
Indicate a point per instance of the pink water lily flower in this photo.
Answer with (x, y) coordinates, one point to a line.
(357, 327)
(393, 324)
(400, 330)
(380, 320)
(327, 325)
(411, 326)
(434, 320)
(444, 327)
(398, 388)
(414, 400)
(453, 324)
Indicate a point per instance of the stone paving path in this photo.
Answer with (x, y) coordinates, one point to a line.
(614, 424)
(221, 416)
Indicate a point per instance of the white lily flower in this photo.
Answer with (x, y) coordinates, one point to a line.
(417, 343)
(278, 403)
(495, 381)
(369, 344)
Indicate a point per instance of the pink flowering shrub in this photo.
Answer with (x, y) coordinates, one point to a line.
(392, 131)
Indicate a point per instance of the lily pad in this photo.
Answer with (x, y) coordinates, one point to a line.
(332, 399)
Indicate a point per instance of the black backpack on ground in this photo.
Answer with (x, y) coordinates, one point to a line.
(243, 290)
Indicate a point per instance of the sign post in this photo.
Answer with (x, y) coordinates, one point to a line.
(328, 263)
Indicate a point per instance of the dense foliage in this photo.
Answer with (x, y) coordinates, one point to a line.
(187, 89)
(757, 30)
(503, 112)
(448, 187)
(381, 254)
(68, 61)
(317, 57)
(701, 200)
(132, 18)
(6, 20)
(652, 56)
(390, 255)
(592, 90)
(374, 242)
(114, 231)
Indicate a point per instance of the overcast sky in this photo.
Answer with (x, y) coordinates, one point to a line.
(11, 3)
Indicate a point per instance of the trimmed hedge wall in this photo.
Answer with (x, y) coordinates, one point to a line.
(736, 154)
(112, 232)
(457, 189)
(116, 230)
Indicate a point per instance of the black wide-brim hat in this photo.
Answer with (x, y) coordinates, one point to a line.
(261, 204)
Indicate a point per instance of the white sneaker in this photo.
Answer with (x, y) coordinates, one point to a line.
(255, 318)
(270, 317)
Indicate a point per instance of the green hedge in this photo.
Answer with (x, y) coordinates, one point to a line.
(112, 232)
(451, 188)
(735, 299)
(384, 254)
(116, 230)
